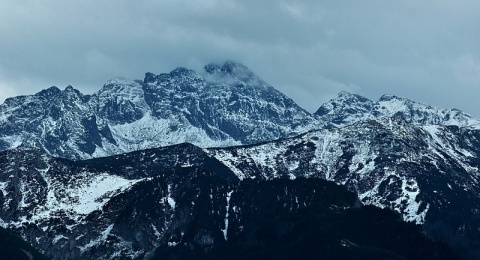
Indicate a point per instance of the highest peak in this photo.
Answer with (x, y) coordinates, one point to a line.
(212, 72)
(176, 73)
(389, 97)
(233, 67)
(233, 73)
(229, 67)
(344, 93)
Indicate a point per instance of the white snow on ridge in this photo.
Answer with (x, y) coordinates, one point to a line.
(155, 132)
(268, 156)
(230, 161)
(263, 155)
(92, 195)
(87, 193)
(423, 114)
(328, 151)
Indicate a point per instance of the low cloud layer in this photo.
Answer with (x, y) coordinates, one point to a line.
(427, 51)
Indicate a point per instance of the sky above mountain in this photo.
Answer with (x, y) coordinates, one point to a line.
(427, 51)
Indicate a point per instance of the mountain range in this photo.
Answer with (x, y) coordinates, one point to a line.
(178, 202)
(80, 178)
(220, 106)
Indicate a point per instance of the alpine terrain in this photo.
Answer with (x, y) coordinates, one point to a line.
(219, 164)
(219, 106)
(178, 202)
(420, 161)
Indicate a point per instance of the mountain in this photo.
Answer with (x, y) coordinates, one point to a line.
(344, 109)
(178, 201)
(427, 173)
(418, 160)
(349, 108)
(219, 106)
(107, 208)
(301, 219)
(13, 247)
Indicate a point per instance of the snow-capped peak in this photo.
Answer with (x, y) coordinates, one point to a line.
(344, 109)
(388, 97)
(228, 106)
(232, 73)
(419, 113)
(347, 108)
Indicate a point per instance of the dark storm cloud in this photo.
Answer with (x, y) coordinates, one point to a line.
(424, 50)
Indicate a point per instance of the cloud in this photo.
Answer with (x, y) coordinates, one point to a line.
(309, 50)
(6, 91)
(294, 9)
(10, 87)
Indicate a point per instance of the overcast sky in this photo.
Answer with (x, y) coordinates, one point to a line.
(428, 51)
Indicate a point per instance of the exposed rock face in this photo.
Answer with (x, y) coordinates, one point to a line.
(178, 202)
(420, 161)
(104, 208)
(349, 108)
(423, 163)
(220, 106)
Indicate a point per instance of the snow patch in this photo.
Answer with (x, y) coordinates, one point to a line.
(406, 203)
(229, 194)
(170, 200)
(98, 240)
(58, 237)
(150, 131)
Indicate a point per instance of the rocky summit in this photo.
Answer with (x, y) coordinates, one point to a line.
(181, 164)
(219, 106)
